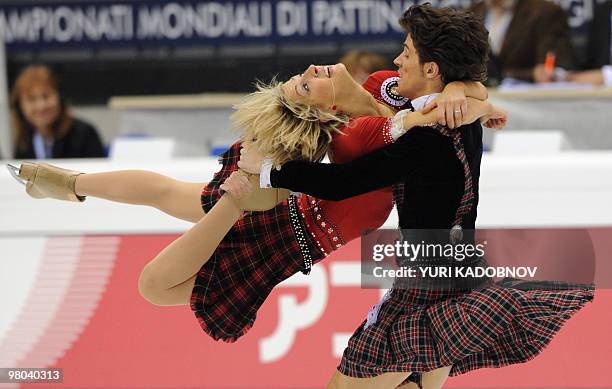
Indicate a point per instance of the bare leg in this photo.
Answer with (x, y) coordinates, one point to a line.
(410, 385)
(176, 198)
(177, 295)
(176, 265)
(386, 380)
(435, 379)
(431, 380)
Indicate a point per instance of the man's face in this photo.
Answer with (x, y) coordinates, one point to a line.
(412, 78)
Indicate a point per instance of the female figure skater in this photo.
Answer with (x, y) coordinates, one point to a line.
(424, 330)
(227, 263)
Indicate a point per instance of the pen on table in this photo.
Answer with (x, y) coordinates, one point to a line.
(549, 62)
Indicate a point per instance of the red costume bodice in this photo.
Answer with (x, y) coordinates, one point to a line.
(335, 223)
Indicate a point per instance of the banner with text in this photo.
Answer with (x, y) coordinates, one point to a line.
(41, 25)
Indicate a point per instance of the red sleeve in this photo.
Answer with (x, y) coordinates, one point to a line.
(372, 132)
(382, 85)
(375, 80)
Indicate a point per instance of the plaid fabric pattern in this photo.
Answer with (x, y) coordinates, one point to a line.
(457, 283)
(229, 163)
(489, 325)
(495, 325)
(398, 196)
(468, 194)
(259, 252)
(465, 205)
(467, 199)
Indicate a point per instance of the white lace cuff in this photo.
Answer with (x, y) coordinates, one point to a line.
(397, 124)
(265, 181)
(264, 174)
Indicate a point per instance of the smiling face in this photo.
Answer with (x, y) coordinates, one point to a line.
(413, 79)
(40, 106)
(321, 86)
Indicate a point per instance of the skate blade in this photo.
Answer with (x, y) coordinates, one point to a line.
(15, 173)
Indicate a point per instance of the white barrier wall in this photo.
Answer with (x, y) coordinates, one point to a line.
(567, 189)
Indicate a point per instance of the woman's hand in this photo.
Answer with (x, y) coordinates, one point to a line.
(418, 119)
(250, 158)
(490, 115)
(497, 118)
(451, 104)
(238, 185)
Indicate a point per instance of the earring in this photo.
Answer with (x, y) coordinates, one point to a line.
(333, 107)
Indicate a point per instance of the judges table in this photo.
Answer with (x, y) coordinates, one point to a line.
(69, 296)
(199, 122)
(583, 115)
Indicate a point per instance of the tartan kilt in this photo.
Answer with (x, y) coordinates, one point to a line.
(260, 251)
(494, 325)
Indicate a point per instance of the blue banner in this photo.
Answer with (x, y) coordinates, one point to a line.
(38, 25)
(217, 22)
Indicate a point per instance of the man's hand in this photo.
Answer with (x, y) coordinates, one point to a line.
(250, 158)
(451, 104)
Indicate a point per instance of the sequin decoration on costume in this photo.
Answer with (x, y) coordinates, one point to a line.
(390, 94)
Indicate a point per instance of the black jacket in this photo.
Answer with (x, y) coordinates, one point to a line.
(81, 141)
(423, 160)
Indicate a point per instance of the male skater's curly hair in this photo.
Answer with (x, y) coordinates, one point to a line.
(456, 40)
(284, 130)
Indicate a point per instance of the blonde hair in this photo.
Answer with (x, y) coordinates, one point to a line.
(30, 76)
(284, 130)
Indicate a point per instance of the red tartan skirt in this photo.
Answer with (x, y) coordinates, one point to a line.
(494, 325)
(260, 251)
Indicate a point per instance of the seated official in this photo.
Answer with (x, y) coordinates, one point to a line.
(599, 53)
(44, 127)
(523, 34)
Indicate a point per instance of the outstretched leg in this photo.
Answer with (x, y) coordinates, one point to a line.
(168, 278)
(177, 295)
(176, 198)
